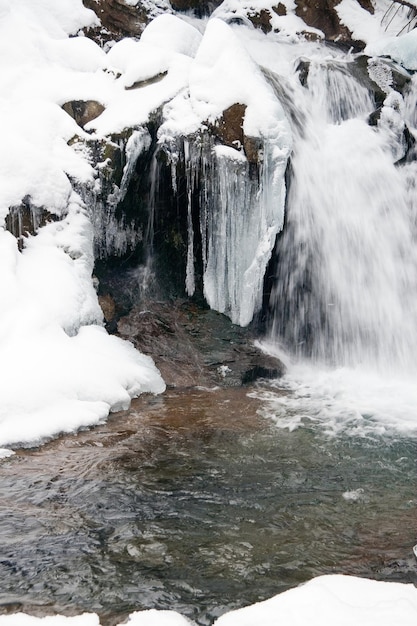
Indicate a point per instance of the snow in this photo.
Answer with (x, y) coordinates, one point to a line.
(164, 53)
(153, 617)
(224, 74)
(168, 32)
(389, 19)
(289, 26)
(333, 599)
(401, 49)
(59, 369)
(323, 601)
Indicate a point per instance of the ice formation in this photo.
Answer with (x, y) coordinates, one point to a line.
(240, 215)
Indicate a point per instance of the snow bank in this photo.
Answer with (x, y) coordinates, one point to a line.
(224, 74)
(389, 19)
(153, 617)
(329, 600)
(59, 370)
(157, 65)
(324, 601)
(402, 49)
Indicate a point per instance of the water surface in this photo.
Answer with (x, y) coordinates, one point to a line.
(193, 501)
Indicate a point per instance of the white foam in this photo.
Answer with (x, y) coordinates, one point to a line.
(342, 401)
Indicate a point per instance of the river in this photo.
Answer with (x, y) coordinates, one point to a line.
(198, 501)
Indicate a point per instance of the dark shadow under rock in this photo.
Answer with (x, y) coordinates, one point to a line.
(192, 346)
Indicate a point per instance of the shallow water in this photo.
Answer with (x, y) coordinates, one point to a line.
(193, 501)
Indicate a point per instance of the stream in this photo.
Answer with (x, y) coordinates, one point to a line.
(196, 501)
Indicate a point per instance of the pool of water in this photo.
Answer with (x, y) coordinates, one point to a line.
(193, 501)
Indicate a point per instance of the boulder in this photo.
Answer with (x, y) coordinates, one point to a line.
(120, 20)
(193, 346)
(83, 111)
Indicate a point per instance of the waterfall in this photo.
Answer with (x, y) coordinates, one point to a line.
(345, 291)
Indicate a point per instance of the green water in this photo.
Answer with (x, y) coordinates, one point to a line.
(193, 502)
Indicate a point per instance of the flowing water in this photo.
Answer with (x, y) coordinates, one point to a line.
(346, 287)
(196, 501)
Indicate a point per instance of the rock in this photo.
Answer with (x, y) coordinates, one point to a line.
(120, 20)
(316, 14)
(199, 7)
(26, 219)
(262, 20)
(193, 346)
(229, 130)
(229, 127)
(321, 14)
(83, 111)
(263, 366)
(108, 306)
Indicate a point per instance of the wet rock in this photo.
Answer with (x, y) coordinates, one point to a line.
(26, 219)
(263, 366)
(149, 81)
(200, 8)
(193, 346)
(262, 19)
(108, 306)
(280, 9)
(303, 69)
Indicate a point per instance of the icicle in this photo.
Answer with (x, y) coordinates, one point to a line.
(114, 235)
(138, 142)
(190, 179)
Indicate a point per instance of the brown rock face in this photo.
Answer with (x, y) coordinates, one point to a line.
(321, 14)
(83, 111)
(229, 129)
(118, 20)
(193, 346)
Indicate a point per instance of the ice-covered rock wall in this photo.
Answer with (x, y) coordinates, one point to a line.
(234, 156)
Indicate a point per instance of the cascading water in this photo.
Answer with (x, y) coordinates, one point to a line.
(346, 287)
